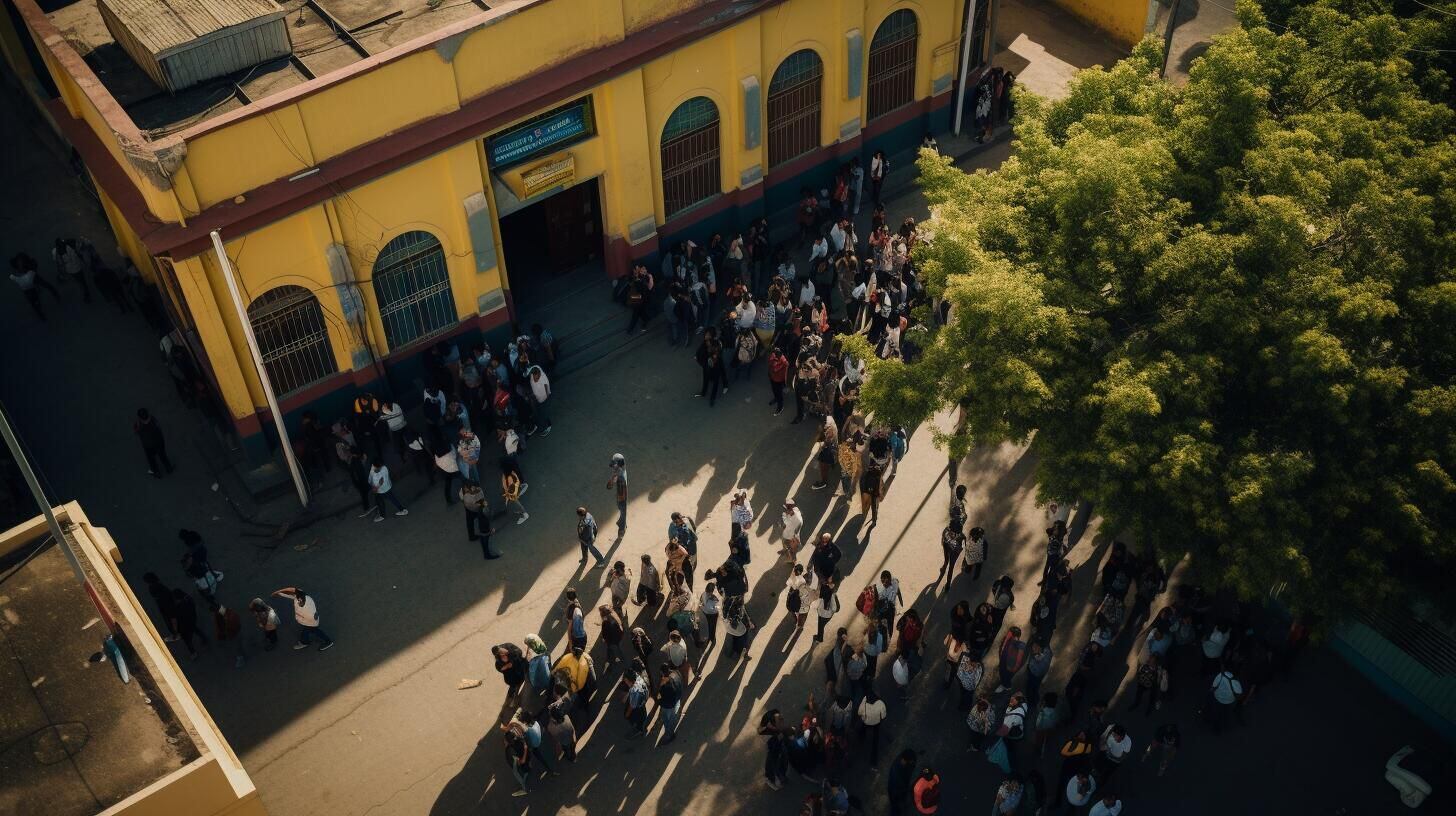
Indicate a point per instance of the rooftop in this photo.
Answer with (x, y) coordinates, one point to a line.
(74, 739)
(326, 34)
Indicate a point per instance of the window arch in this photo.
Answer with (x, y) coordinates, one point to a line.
(892, 64)
(288, 324)
(690, 168)
(412, 285)
(794, 99)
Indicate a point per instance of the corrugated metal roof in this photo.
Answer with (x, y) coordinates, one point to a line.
(160, 25)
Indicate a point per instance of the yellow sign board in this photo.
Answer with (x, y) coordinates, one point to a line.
(552, 173)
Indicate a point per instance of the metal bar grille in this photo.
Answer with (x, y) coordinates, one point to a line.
(412, 285)
(794, 101)
(690, 169)
(892, 72)
(292, 335)
(1429, 645)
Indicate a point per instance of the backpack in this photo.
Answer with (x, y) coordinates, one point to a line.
(578, 627)
(793, 602)
(866, 601)
(930, 797)
(745, 349)
(538, 672)
(911, 630)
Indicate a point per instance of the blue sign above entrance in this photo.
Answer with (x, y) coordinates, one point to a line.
(569, 123)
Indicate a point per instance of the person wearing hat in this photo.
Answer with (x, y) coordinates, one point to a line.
(618, 482)
(793, 522)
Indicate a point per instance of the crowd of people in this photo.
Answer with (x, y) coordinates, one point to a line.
(658, 620)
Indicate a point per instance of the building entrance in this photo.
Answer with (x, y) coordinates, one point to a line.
(551, 244)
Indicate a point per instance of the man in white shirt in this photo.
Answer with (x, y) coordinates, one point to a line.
(1114, 747)
(305, 614)
(540, 393)
(872, 712)
(1108, 805)
(837, 235)
(1080, 789)
(820, 249)
(747, 313)
(793, 522)
(382, 488)
(1226, 690)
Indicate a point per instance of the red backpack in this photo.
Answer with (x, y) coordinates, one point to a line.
(866, 602)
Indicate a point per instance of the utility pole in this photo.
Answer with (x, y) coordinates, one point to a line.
(40, 497)
(970, 18)
(1168, 36)
(226, 265)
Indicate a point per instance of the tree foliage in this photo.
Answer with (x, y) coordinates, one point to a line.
(1223, 313)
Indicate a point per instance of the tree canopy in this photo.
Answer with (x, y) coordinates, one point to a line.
(1222, 313)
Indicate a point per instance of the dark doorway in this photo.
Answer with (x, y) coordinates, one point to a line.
(548, 241)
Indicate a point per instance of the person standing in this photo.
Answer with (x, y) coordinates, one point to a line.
(649, 585)
(512, 488)
(383, 488)
(618, 581)
(617, 482)
(796, 596)
(467, 452)
(870, 486)
(1076, 755)
(977, 550)
(879, 166)
(511, 663)
(613, 630)
(709, 603)
(1078, 792)
(1224, 695)
(900, 781)
(1165, 743)
(1108, 805)
(540, 395)
(306, 615)
(738, 624)
(1038, 663)
(872, 712)
(25, 274)
(776, 761)
(793, 523)
(826, 605)
(586, 537)
(267, 619)
(1113, 749)
(1150, 679)
(952, 544)
(71, 265)
(149, 432)
(740, 512)
(778, 377)
(669, 702)
(477, 518)
(1013, 657)
(518, 754)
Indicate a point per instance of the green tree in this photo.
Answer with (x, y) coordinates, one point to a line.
(1222, 313)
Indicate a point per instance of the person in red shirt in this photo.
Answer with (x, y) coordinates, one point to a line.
(927, 791)
(778, 375)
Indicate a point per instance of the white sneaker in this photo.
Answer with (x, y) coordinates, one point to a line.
(378, 519)
(401, 512)
(522, 519)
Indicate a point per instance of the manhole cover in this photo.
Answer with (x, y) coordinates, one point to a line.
(52, 744)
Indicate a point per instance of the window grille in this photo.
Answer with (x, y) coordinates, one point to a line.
(293, 338)
(892, 64)
(412, 285)
(690, 167)
(794, 100)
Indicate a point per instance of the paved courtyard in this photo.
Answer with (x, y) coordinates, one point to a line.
(377, 725)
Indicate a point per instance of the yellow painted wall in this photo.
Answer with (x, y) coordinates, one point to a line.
(1124, 20)
(631, 110)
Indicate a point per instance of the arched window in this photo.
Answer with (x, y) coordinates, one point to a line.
(412, 285)
(794, 98)
(289, 326)
(690, 170)
(892, 64)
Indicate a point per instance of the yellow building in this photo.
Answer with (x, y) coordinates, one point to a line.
(1126, 21)
(123, 735)
(411, 174)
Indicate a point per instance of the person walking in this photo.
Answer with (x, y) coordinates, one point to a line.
(977, 550)
(477, 518)
(536, 738)
(617, 482)
(826, 606)
(649, 585)
(872, 713)
(510, 661)
(512, 488)
(467, 453)
(306, 615)
(1149, 681)
(71, 265)
(952, 544)
(776, 760)
(184, 618)
(612, 632)
(266, 617)
(738, 625)
(383, 488)
(796, 596)
(709, 604)
(586, 537)
(154, 445)
(901, 780)
(740, 513)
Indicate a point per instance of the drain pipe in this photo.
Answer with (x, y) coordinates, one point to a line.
(970, 18)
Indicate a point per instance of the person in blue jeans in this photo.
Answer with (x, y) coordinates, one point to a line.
(669, 701)
(305, 613)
